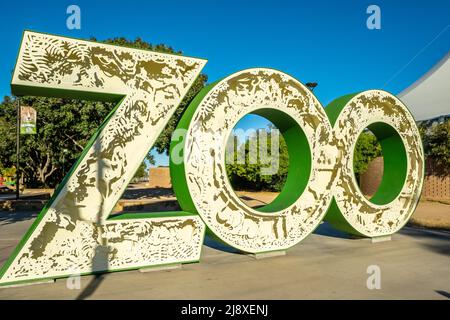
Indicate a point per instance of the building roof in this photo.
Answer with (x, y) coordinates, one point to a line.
(429, 96)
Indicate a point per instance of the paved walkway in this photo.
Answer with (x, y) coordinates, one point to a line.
(326, 265)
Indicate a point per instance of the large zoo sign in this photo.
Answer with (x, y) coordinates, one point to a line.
(73, 231)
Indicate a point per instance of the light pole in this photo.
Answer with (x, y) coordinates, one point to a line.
(65, 151)
(17, 148)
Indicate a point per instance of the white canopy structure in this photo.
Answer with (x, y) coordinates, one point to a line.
(429, 96)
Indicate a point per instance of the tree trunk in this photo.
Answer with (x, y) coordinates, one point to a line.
(45, 171)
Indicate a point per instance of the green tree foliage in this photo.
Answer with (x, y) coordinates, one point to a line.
(436, 140)
(63, 129)
(249, 176)
(367, 148)
(142, 171)
(64, 126)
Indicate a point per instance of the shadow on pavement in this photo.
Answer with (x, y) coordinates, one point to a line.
(443, 293)
(437, 240)
(99, 262)
(9, 217)
(144, 193)
(327, 230)
(158, 206)
(29, 196)
(426, 233)
(440, 238)
(216, 244)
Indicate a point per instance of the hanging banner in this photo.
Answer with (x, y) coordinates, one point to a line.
(27, 120)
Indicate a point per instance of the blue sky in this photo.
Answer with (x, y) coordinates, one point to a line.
(322, 41)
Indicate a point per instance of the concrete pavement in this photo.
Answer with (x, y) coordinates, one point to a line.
(326, 265)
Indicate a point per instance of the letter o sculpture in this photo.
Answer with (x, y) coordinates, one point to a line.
(320, 162)
(201, 182)
(398, 194)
